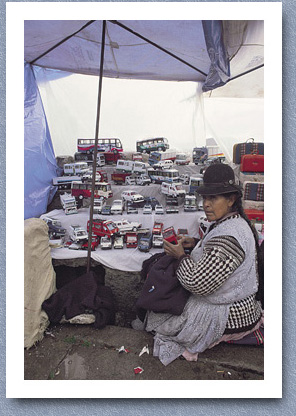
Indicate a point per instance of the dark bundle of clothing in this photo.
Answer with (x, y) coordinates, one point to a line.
(83, 295)
(162, 291)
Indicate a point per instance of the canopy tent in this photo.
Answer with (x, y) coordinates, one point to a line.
(226, 57)
(211, 52)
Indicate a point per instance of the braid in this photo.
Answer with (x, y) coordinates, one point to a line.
(238, 206)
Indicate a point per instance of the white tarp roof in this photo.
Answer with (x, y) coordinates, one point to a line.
(129, 56)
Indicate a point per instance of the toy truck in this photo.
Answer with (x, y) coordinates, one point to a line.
(119, 178)
(68, 203)
(103, 228)
(210, 151)
(190, 203)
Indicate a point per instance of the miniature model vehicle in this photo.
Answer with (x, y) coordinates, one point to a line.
(169, 235)
(103, 228)
(173, 189)
(145, 242)
(182, 159)
(190, 203)
(106, 243)
(151, 200)
(157, 227)
(171, 200)
(147, 209)
(142, 180)
(157, 241)
(77, 233)
(106, 210)
(77, 168)
(131, 209)
(118, 242)
(129, 180)
(64, 182)
(94, 243)
(125, 225)
(164, 164)
(172, 210)
(74, 246)
(159, 210)
(117, 207)
(184, 178)
(131, 240)
(68, 203)
(55, 229)
(120, 178)
(182, 231)
(98, 205)
(132, 196)
(137, 157)
(200, 204)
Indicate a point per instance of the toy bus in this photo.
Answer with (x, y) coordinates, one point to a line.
(82, 190)
(104, 145)
(151, 145)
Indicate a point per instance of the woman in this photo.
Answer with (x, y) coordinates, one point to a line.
(221, 273)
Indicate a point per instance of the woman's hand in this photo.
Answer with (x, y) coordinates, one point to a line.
(187, 242)
(174, 250)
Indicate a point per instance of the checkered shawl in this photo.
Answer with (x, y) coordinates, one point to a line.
(222, 255)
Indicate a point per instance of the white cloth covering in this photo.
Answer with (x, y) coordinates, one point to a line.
(126, 259)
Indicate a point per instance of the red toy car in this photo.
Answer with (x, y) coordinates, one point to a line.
(131, 240)
(169, 235)
(94, 243)
(157, 227)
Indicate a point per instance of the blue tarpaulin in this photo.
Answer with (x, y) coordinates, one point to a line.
(40, 164)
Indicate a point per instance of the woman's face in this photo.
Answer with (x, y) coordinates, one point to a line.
(217, 206)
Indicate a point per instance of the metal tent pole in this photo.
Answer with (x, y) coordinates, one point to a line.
(96, 148)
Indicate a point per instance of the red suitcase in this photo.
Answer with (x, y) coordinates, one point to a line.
(254, 214)
(252, 163)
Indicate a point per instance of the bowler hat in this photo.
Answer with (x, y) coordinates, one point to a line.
(218, 179)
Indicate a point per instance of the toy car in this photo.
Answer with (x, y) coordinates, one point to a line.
(157, 241)
(159, 210)
(118, 242)
(131, 209)
(172, 210)
(125, 225)
(131, 240)
(55, 229)
(171, 200)
(145, 242)
(169, 235)
(150, 200)
(77, 233)
(95, 240)
(182, 231)
(117, 207)
(106, 210)
(105, 243)
(147, 209)
(157, 227)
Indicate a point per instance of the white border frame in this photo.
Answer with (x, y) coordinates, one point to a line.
(271, 386)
